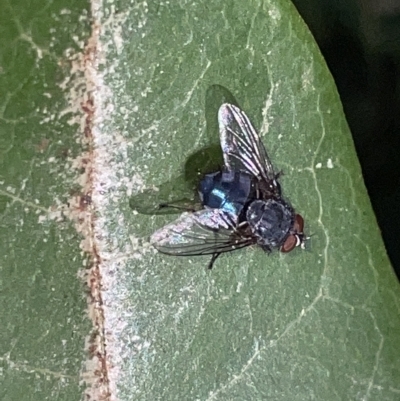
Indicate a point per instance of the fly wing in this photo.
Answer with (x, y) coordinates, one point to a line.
(206, 232)
(242, 147)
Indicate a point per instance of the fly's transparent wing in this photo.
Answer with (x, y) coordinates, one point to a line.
(206, 232)
(241, 145)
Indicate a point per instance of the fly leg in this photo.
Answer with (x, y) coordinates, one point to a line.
(213, 259)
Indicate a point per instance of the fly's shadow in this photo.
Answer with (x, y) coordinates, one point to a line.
(181, 192)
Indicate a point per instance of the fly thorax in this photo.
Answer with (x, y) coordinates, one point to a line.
(270, 221)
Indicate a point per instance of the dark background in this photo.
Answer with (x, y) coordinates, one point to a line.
(360, 40)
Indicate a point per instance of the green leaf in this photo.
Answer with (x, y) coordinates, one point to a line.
(317, 324)
(42, 309)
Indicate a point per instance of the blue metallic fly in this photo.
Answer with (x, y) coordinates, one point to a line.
(242, 204)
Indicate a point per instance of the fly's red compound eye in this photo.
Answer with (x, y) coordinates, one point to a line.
(298, 224)
(296, 238)
(290, 243)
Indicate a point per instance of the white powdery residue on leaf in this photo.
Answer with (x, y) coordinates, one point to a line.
(274, 14)
(307, 79)
(42, 219)
(111, 180)
(117, 28)
(79, 89)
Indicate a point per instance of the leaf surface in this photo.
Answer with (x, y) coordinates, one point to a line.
(317, 324)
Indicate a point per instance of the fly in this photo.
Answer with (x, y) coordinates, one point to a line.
(242, 203)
